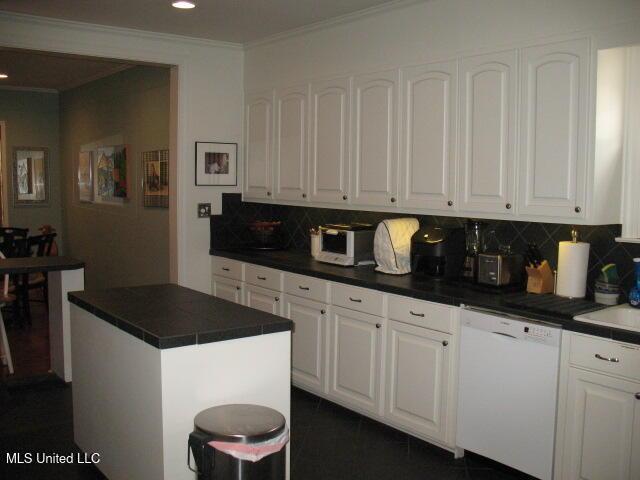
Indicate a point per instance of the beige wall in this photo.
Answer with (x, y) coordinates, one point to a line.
(128, 244)
(31, 120)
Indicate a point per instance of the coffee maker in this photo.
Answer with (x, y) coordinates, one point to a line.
(474, 233)
(438, 252)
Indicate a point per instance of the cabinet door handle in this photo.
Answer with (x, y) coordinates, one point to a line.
(450, 203)
(323, 311)
(237, 288)
(508, 205)
(261, 278)
(344, 197)
(393, 199)
(268, 194)
(578, 209)
(378, 325)
(277, 299)
(416, 314)
(225, 269)
(608, 359)
(638, 396)
(357, 300)
(445, 343)
(304, 195)
(303, 288)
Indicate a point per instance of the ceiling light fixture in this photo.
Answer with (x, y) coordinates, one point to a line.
(183, 4)
(4, 75)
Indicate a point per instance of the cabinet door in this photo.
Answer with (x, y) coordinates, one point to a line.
(374, 162)
(355, 358)
(602, 432)
(258, 132)
(329, 150)
(262, 299)
(428, 136)
(418, 364)
(227, 289)
(487, 132)
(553, 159)
(308, 341)
(290, 174)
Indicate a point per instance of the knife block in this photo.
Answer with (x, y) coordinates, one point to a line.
(540, 279)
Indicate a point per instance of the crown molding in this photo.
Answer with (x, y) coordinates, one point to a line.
(34, 20)
(332, 22)
(29, 89)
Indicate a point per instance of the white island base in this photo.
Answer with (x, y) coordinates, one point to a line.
(134, 404)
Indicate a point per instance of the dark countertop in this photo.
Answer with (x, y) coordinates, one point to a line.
(38, 264)
(423, 288)
(167, 316)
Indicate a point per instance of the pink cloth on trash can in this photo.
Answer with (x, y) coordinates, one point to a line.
(253, 451)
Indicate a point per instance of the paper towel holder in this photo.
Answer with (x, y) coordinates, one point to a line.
(574, 234)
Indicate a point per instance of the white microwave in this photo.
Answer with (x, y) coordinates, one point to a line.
(347, 245)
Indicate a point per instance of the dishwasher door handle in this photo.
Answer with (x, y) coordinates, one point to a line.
(505, 335)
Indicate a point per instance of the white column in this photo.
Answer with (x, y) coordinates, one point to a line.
(60, 284)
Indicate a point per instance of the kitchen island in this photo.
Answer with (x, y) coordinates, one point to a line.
(147, 359)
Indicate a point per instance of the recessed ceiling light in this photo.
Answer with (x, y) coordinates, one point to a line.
(183, 4)
(4, 75)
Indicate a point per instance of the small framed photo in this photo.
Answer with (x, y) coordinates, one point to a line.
(155, 165)
(216, 163)
(30, 176)
(85, 176)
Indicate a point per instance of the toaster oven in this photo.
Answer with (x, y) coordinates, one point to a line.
(347, 245)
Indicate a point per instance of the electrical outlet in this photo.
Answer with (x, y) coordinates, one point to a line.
(204, 210)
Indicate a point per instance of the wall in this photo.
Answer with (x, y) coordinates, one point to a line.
(31, 120)
(206, 105)
(121, 244)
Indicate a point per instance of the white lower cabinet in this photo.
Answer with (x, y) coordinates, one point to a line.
(308, 341)
(262, 299)
(227, 289)
(418, 365)
(355, 359)
(602, 428)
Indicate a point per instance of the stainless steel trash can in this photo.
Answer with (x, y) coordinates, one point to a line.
(237, 423)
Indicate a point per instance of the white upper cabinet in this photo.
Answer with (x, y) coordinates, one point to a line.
(488, 86)
(374, 161)
(428, 136)
(290, 160)
(553, 154)
(329, 149)
(258, 137)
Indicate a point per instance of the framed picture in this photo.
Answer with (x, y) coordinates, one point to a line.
(30, 176)
(216, 163)
(85, 176)
(155, 167)
(110, 166)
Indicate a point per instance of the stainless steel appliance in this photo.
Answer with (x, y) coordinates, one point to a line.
(347, 244)
(508, 386)
(437, 252)
(500, 269)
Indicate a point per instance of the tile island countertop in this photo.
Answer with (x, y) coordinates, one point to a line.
(168, 315)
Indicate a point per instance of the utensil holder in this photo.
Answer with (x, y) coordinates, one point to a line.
(540, 278)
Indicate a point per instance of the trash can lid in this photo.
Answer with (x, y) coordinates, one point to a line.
(240, 423)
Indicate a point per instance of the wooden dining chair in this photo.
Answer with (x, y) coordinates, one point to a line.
(5, 350)
(39, 246)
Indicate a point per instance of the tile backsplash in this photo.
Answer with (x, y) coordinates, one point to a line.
(229, 230)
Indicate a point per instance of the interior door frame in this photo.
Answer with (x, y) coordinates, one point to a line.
(4, 174)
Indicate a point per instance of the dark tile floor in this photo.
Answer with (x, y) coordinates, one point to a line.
(328, 442)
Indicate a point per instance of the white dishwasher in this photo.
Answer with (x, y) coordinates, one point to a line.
(508, 388)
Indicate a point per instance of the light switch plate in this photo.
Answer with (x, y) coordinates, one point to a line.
(204, 210)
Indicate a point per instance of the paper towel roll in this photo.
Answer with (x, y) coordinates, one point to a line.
(573, 261)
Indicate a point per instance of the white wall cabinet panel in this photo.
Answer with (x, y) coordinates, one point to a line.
(553, 154)
(310, 320)
(488, 87)
(258, 148)
(227, 289)
(262, 299)
(374, 161)
(602, 432)
(355, 343)
(428, 136)
(418, 364)
(329, 149)
(290, 160)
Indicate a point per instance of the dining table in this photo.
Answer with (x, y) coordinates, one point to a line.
(64, 275)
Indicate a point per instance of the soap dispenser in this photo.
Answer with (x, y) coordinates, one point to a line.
(634, 294)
